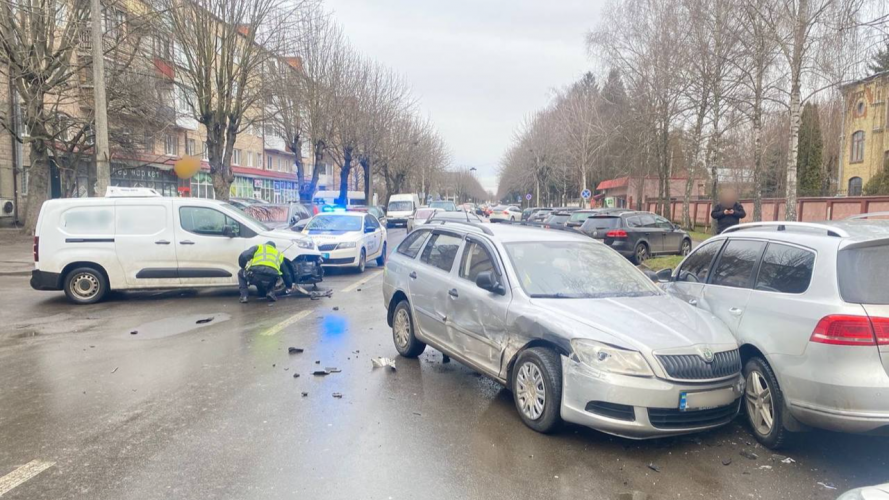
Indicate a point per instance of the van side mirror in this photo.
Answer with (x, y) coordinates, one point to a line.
(487, 281)
(665, 276)
(228, 231)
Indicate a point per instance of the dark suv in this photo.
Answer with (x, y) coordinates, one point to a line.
(638, 235)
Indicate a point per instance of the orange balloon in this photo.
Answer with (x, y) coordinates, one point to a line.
(186, 167)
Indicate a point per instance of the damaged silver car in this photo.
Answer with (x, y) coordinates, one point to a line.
(569, 326)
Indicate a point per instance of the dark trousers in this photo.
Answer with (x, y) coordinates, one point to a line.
(261, 276)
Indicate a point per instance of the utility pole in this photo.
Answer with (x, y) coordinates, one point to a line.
(100, 107)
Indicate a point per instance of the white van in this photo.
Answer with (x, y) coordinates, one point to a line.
(401, 208)
(134, 238)
(353, 198)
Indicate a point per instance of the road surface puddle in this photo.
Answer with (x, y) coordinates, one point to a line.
(174, 326)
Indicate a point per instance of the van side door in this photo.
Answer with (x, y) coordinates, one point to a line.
(208, 243)
(144, 242)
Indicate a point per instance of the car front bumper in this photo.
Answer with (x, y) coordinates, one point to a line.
(342, 257)
(42, 280)
(838, 388)
(641, 408)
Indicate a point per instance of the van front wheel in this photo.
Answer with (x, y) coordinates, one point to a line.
(85, 285)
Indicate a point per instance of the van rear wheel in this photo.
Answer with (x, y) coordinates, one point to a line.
(85, 285)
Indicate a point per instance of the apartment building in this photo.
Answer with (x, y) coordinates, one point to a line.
(865, 138)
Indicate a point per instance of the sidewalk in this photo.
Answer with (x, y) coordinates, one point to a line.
(16, 257)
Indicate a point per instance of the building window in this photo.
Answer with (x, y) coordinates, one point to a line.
(855, 186)
(205, 153)
(190, 147)
(281, 164)
(859, 109)
(258, 160)
(249, 159)
(171, 146)
(857, 147)
(236, 157)
(268, 162)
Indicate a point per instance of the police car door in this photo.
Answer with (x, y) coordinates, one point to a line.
(373, 236)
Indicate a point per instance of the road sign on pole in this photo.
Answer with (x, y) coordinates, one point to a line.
(586, 194)
(528, 196)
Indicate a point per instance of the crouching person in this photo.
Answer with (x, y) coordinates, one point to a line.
(261, 265)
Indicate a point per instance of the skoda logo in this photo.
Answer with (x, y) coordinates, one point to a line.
(595, 233)
(707, 354)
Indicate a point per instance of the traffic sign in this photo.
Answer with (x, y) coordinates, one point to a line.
(528, 196)
(586, 194)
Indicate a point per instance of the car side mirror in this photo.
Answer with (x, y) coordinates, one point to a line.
(228, 231)
(651, 275)
(368, 229)
(487, 281)
(664, 276)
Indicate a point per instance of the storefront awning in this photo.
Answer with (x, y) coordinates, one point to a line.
(613, 183)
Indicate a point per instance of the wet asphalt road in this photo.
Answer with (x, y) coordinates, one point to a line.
(181, 410)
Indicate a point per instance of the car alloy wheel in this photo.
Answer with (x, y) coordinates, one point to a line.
(362, 261)
(686, 247)
(401, 327)
(84, 286)
(530, 390)
(641, 253)
(760, 409)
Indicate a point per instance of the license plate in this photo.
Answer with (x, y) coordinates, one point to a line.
(705, 400)
(325, 256)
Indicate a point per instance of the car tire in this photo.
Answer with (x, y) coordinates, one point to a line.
(85, 285)
(763, 399)
(685, 247)
(538, 369)
(362, 262)
(512, 219)
(381, 260)
(406, 342)
(640, 253)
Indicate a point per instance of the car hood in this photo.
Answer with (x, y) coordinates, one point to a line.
(285, 240)
(321, 237)
(659, 323)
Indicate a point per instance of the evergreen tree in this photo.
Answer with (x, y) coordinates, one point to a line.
(879, 183)
(811, 145)
(880, 62)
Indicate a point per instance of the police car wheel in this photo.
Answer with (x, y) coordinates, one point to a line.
(362, 261)
(381, 260)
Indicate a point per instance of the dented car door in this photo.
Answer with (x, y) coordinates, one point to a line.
(477, 317)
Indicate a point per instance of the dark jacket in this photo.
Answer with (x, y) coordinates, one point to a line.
(724, 221)
(286, 271)
(246, 256)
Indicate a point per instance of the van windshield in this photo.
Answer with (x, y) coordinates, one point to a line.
(247, 216)
(863, 273)
(401, 206)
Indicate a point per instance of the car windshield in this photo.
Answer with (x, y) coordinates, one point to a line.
(401, 206)
(446, 205)
(268, 213)
(335, 223)
(247, 216)
(576, 270)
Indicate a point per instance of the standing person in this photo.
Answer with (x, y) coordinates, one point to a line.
(728, 212)
(261, 265)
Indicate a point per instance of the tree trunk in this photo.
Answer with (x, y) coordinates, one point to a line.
(666, 160)
(796, 63)
(344, 176)
(757, 157)
(318, 149)
(368, 189)
(38, 184)
(693, 158)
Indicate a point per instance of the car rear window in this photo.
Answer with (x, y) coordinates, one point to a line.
(576, 216)
(557, 219)
(601, 223)
(863, 273)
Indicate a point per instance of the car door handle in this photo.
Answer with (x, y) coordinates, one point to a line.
(453, 293)
(161, 242)
(736, 311)
(186, 242)
(413, 275)
(693, 302)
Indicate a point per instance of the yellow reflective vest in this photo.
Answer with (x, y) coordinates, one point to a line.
(267, 255)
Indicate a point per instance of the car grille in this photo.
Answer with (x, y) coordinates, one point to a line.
(334, 262)
(326, 248)
(672, 418)
(612, 410)
(693, 367)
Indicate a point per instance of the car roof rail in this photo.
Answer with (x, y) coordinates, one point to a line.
(469, 223)
(538, 225)
(789, 226)
(867, 215)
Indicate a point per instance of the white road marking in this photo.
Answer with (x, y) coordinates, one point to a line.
(287, 322)
(22, 474)
(363, 281)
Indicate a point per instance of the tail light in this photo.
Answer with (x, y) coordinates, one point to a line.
(617, 233)
(36, 249)
(840, 329)
(314, 209)
(506, 212)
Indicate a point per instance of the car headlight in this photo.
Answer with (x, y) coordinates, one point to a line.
(611, 359)
(346, 244)
(305, 243)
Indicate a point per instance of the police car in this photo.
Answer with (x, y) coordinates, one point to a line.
(348, 239)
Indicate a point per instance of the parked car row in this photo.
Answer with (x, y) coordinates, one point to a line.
(787, 321)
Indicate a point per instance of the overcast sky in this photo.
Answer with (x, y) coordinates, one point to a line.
(477, 66)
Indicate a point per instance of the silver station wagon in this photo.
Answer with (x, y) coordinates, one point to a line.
(809, 305)
(575, 331)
